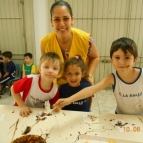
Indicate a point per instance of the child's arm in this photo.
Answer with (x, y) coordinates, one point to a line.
(0, 74)
(6, 74)
(23, 74)
(33, 69)
(23, 71)
(24, 111)
(87, 92)
(53, 101)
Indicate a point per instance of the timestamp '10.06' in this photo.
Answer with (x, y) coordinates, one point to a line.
(135, 129)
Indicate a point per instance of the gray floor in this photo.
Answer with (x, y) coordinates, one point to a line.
(6, 99)
(103, 101)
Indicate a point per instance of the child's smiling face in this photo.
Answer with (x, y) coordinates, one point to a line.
(73, 75)
(123, 62)
(49, 69)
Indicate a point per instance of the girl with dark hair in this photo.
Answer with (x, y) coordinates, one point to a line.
(74, 72)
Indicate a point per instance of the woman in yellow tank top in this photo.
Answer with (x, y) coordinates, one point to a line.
(68, 41)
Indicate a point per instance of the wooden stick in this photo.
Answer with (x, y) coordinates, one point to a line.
(46, 137)
(15, 129)
(49, 133)
(14, 124)
(64, 113)
(51, 129)
(35, 123)
(42, 133)
(51, 110)
(140, 119)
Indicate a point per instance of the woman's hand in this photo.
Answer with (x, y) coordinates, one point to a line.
(25, 111)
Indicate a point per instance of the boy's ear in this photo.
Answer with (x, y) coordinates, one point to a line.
(39, 70)
(135, 60)
(111, 60)
(83, 74)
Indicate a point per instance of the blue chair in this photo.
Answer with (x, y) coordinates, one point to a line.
(17, 76)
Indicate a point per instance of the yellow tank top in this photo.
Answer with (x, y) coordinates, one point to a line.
(79, 46)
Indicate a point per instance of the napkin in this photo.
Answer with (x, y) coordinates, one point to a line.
(43, 118)
(2, 117)
(121, 124)
(90, 118)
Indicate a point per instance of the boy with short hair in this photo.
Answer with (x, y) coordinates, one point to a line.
(10, 70)
(1, 66)
(28, 66)
(39, 88)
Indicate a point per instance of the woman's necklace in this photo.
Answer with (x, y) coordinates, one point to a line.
(65, 53)
(65, 47)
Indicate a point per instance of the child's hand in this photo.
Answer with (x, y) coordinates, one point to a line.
(56, 108)
(25, 111)
(62, 102)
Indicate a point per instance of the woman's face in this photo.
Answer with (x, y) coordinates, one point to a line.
(61, 20)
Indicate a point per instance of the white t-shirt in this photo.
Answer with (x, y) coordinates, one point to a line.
(129, 96)
(32, 93)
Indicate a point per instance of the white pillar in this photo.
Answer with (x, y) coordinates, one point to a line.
(40, 12)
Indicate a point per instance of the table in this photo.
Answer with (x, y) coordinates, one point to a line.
(66, 126)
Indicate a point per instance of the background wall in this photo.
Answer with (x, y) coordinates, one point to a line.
(106, 20)
(16, 28)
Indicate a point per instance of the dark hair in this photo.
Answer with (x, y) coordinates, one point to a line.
(126, 45)
(61, 3)
(7, 54)
(51, 56)
(28, 55)
(77, 60)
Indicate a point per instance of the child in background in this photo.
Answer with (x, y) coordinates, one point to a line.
(127, 80)
(37, 89)
(28, 67)
(74, 71)
(10, 70)
(1, 66)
